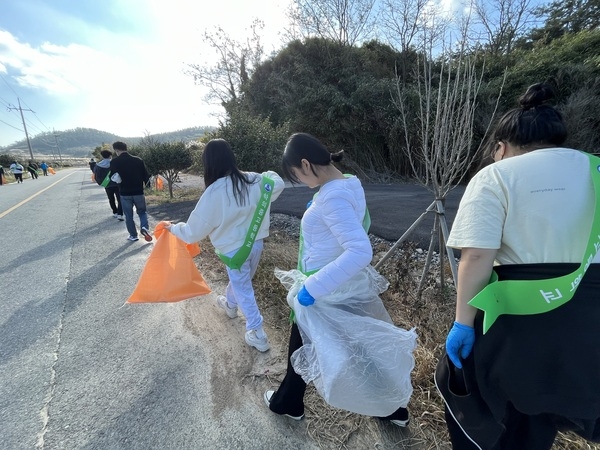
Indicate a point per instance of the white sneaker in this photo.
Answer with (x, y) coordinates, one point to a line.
(262, 345)
(115, 215)
(133, 238)
(119, 217)
(222, 302)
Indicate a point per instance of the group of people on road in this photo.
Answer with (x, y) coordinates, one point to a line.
(124, 178)
(522, 362)
(18, 170)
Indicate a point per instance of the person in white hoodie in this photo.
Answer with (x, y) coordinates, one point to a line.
(17, 170)
(234, 213)
(102, 176)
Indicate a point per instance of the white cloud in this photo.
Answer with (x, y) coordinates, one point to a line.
(128, 83)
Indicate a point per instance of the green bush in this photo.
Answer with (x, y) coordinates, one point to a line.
(257, 144)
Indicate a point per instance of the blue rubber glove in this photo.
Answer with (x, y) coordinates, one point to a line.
(459, 343)
(308, 204)
(304, 298)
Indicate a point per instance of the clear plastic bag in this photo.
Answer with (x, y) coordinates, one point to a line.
(357, 359)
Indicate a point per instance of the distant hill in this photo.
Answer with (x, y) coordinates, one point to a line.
(82, 141)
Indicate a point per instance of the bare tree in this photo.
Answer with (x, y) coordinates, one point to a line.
(442, 152)
(402, 20)
(344, 21)
(235, 63)
(503, 21)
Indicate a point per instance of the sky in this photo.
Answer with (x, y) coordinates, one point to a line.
(115, 65)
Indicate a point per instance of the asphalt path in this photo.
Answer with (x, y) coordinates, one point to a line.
(393, 208)
(80, 369)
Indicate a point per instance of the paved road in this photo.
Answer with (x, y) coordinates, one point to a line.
(393, 208)
(78, 370)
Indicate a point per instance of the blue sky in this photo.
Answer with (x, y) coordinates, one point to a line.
(113, 65)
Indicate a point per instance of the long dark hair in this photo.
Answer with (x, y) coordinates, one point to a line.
(305, 146)
(534, 124)
(219, 161)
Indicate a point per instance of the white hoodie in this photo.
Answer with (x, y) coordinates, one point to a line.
(218, 216)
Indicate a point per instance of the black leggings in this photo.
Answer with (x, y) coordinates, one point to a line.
(289, 398)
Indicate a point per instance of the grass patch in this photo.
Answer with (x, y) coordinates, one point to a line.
(156, 197)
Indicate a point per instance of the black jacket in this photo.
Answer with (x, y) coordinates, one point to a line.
(101, 170)
(133, 173)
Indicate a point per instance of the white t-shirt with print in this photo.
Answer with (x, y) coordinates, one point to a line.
(534, 208)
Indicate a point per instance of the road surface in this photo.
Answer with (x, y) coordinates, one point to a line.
(81, 370)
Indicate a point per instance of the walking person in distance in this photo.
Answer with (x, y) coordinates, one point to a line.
(102, 176)
(130, 173)
(17, 171)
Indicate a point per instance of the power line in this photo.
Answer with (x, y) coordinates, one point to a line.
(12, 126)
(36, 116)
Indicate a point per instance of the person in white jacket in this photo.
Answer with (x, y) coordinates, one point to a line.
(342, 340)
(234, 213)
(17, 170)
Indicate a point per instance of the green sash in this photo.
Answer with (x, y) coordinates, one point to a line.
(366, 224)
(240, 257)
(521, 297)
(106, 180)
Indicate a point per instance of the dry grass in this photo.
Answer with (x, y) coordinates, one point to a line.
(431, 314)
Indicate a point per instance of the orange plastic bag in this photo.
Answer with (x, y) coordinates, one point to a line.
(93, 177)
(159, 184)
(170, 274)
(51, 170)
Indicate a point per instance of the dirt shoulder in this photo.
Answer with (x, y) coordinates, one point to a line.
(252, 372)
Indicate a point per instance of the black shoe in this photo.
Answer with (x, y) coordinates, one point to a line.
(464, 402)
(399, 417)
(267, 398)
(146, 234)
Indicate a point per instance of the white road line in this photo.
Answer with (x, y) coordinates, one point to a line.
(33, 196)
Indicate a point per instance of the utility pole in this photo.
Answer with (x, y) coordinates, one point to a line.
(57, 146)
(24, 126)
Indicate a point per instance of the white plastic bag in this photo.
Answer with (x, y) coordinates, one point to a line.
(356, 358)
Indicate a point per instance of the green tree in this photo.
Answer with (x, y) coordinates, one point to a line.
(339, 93)
(564, 17)
(258, 145)
(167, 159)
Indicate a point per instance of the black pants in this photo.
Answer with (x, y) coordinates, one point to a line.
(114, 199)
(289, 398)
(523, 432)
(18, 177)
(33, 173)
